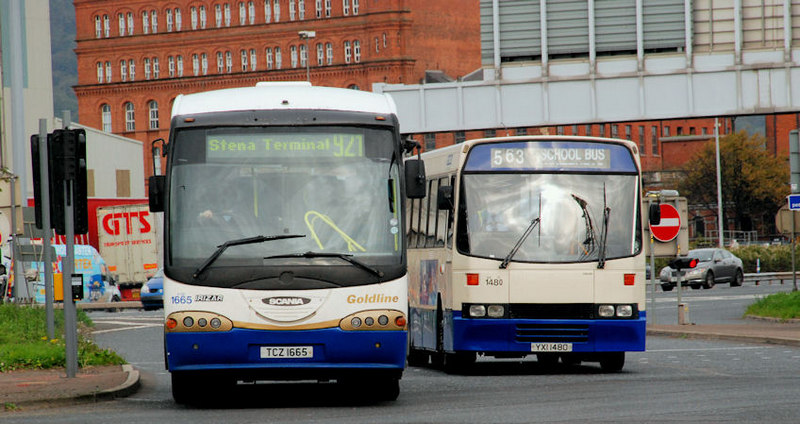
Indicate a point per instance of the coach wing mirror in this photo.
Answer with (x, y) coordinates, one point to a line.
(415, 179)
(155, 191)
(655, 213)
(444, 199)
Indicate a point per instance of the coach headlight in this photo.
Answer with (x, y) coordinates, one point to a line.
(495, 311)
(196, 321)
(606, 311)
(624, 311)
(477, 311)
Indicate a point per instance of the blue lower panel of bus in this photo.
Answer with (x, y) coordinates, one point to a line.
(518, 335)
(243, 350)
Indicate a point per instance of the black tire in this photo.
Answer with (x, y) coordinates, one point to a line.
(417, 358)
(738, 279)
(184, 388)
(570, 359)
(387, 389)
(667, 287)
(709, 282)
(695, 286)
(459, 362)
(612, 361)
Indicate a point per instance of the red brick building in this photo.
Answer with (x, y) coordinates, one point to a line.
(136, 56)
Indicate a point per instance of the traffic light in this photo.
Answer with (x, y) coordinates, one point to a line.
(682, 263)
(66, 157)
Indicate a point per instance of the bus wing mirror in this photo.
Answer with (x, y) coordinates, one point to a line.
(157, 184)
(444, 199)
(415, 179)
(655, 214)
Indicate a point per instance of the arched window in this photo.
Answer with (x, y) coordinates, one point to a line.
(153, 107)
(130, 121)
(105, 117)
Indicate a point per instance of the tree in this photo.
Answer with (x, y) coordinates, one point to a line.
(754, 183)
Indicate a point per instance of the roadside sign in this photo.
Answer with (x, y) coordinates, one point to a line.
(794, 202)
(670, 224)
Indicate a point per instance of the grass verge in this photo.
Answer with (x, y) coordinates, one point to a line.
(24, 343)
(779, 305)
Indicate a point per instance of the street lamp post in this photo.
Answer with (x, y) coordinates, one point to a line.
(305, 35)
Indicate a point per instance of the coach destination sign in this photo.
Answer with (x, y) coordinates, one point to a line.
(550, 156)
(267, 145)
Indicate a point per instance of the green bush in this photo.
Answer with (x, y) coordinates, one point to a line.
(778, 305)
(24, 342)
(772, 258)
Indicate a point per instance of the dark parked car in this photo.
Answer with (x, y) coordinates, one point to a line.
(714, 266)
(152, 294)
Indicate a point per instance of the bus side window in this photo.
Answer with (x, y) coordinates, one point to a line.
(450, 215)
(441, 217)
(430, 230)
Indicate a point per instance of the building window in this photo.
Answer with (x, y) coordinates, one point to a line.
(202, 17)
(679, 131)
(267, 11)
(602, 130)
(574, 130)
(171, 66)
(301, 9)
(243, 54)
(522, 131)
(654, 139)
(347, 52)
(628, 132)
(318, 5)
(329, 53)
(253, 59)
(123, 70)
(195, 65)
(130, 122)
(108, 71)
(228, 62)
(105, 117)
(320, 54)
(692, 130)
(154, 21)
(220, 63)
(121, 19)
(155, 68)
(293, 55)
(145, 22)
(227, 10)
(100, 72)
(276, 9)
(327, 8)
(705, 130)
(153, 106)
(194, 17)
(489, 133)
(146, 68)
(242, 14)
(292, 10)
(355, 7)
(346, 7)
(132, 70)
(278, 59)
(269, 58)
(251, 12)
(357, 51)
(170, 22)
(460, 137)
(384, 40)
(614, 131)
(204, 63)
(218, 15)
(588, 129)
(665, 131)
(177, 19)
(559, 130)
(180, 66)
(106, 27)
(98, 27)
(641, 140)
(430, 142)
(303, 55)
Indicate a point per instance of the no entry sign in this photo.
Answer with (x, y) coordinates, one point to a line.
(670, 224)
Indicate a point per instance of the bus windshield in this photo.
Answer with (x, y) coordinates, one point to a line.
(580, 216)
(331, 190)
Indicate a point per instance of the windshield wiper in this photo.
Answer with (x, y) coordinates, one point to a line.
(343, 256)
(601, 255)
(531, 226)
(589, 243)
(238, 242)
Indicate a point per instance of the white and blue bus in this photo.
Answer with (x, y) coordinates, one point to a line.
(528, 246)
(284, 255)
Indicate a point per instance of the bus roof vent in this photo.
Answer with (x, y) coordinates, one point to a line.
(283, 84)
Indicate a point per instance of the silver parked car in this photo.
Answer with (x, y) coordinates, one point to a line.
(714, 266)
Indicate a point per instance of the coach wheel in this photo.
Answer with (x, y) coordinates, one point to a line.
(387, 389)
(570, 359)
(184, 388)
(612, 361)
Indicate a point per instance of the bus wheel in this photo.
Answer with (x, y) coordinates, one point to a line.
(387, 389)
(570, 359)
(184, 388)
(612, 361)
(455, 363)
(417, 358)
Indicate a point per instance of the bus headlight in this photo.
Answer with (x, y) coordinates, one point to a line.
(495, 311)
(477, 311)
(606, 311)
(624, 311)
(374, 320)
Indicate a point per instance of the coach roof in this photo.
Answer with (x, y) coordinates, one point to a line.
(283, 96)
